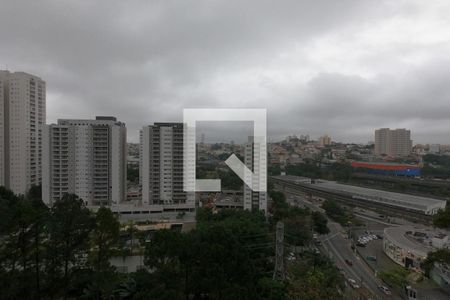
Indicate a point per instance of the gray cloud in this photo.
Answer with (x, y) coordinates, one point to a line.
(336, 67)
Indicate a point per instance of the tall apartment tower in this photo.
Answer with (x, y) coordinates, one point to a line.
(162, 165)
(394, 143)
(22, 115)
(325, 140)
(86, 158)
(254, 200)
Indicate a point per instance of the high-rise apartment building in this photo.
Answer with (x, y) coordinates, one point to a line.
(394, 143)
(434, 148)
(253, 160)
(162, 165)
(325, 140)
(86, 158)
(22, 115)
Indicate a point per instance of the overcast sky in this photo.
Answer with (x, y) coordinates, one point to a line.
(341, 68)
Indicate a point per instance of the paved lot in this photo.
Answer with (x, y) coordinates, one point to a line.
(427, 289)
(338, 248)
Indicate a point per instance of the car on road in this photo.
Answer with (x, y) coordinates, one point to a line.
(385, 290)
(353, 283)
(291, 256)
(349, 262)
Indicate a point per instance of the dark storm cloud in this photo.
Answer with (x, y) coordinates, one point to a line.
(336, 67)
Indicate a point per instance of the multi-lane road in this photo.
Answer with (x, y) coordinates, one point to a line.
(338, 248)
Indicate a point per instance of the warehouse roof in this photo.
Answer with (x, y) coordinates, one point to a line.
(405, 200)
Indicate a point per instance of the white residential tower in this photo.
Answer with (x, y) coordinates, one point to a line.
(162, 166)
(22, 116)
(86, 158)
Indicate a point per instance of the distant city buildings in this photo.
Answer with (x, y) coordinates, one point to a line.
(22, 115)
(394, 143)
(434, 149)
(254, 200)
(162, 165)
(86, 158)
(325, 140)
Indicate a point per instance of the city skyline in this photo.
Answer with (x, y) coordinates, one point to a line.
(225, 149)
(293, 62)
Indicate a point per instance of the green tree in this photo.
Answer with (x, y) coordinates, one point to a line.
(442, 218)
(104, 239)
(164, 249)
(441, 255)
(70, 224)
(39, 215)
(298, 229)
(20, 251)
(320, 223)
(313, 277)
(133, 174)
(271, 289)
(335, 212)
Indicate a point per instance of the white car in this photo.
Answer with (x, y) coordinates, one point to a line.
(385, 290)
(353, 283)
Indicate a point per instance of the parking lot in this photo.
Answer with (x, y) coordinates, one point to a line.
(374, 249)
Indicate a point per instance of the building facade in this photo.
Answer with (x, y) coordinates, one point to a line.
(386, 168)
(394, 143)
(434, 149)
(325, 140)
(22, 116)
(86, 158)
(162, 165)
(409, 246)
(254, 200)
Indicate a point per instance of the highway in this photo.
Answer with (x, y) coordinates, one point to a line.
(339, 249)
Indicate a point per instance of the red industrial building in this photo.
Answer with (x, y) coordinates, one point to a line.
(387, 168)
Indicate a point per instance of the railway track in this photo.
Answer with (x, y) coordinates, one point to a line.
(349, 200)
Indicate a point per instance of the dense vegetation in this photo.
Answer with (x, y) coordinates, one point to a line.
(440, 220)
(229, 179)
(133, 174)
(436, 166)
(64, 252)
(314, 170)
(335, 212)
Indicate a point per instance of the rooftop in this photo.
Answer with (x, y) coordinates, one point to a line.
(403, 237)
(397, 198)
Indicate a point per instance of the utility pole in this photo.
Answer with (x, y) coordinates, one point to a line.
(278, 273)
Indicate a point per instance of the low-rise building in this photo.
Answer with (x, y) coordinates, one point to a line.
(423, 205)
(409, 246)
